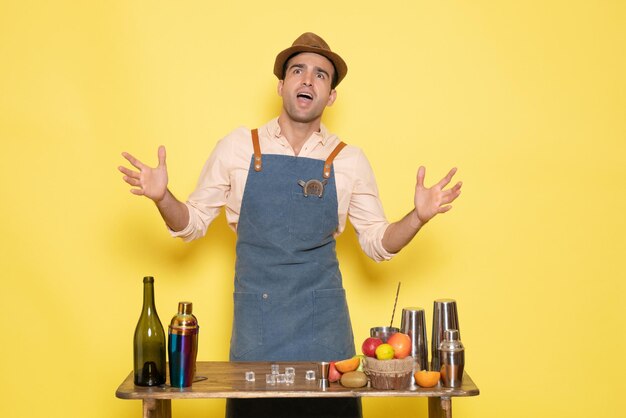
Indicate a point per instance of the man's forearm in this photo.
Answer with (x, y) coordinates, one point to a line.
(400, 233)
(173, 211)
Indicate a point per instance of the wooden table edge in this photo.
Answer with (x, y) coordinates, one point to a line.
(338, 392)
(127, 390)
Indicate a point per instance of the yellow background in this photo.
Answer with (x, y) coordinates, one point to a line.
(528, 99)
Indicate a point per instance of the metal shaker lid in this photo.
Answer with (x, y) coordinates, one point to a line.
(184, 322)
(451, 341)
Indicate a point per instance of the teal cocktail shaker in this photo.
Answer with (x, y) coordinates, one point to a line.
(183, 346)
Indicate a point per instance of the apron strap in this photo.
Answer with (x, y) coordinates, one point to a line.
(331, 157)
(258, 163)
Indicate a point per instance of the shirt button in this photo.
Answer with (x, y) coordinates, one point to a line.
(265, 295)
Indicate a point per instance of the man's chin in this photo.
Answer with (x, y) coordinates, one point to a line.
(304, 118)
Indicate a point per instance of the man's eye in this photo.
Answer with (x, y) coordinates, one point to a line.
(297, 71)
(320, 76)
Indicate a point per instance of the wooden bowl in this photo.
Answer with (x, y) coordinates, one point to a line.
(394, 374)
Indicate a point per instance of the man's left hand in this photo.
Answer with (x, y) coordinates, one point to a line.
(431, 201)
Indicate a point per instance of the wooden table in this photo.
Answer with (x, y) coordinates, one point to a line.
(222, 379)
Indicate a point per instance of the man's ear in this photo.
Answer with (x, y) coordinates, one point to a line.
(332, 97)
(279, 88)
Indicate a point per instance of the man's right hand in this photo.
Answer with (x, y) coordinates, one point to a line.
(148, 181)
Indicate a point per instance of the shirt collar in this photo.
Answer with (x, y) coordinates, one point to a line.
(273, 128)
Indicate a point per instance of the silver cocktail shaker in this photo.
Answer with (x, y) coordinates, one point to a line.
(452, 357)
(445, 316)
(414, 325)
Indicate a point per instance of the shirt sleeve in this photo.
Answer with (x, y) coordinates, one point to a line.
(366, 212)
(211, 192)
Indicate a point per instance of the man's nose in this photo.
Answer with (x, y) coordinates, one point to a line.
(307, 80)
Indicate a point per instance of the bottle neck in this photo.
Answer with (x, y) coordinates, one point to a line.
(148, 298)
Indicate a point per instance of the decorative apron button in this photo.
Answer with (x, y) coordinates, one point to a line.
(265, 295)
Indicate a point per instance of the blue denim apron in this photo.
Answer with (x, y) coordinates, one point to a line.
(289, 300)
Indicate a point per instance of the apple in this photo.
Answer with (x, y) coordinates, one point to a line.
(362, 358)
(369, 346)
(333, 373)
(401, 344)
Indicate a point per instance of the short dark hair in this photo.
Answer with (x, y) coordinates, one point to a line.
(333, 82)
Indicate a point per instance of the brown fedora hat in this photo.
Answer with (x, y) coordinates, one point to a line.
(310, 42)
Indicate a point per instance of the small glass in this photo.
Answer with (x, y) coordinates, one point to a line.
(275, 368)
(310, 375)
(250, 376)
(270, 379)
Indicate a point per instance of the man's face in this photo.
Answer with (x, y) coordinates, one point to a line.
(306, 89)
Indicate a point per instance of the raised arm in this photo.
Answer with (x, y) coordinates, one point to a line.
(151, 182)
(428, 203)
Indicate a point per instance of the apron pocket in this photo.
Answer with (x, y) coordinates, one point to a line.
(331, 323)
(311, 218)
(247, 325)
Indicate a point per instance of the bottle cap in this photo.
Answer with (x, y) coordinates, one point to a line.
(185, 308)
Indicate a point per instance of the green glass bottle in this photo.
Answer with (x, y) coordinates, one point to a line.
(149, 342)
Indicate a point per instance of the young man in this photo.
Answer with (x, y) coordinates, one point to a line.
(288, 189)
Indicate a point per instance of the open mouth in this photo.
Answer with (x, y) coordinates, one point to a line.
(305, 96)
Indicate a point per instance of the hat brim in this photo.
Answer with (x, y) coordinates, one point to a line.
(340, 65)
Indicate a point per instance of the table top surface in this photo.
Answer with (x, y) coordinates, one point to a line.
(223, 379)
